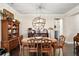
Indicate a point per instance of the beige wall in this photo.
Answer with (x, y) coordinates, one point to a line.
(71, 27)
(26, 22)
(70, 24)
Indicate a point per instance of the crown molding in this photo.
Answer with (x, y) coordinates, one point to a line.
(72, 12)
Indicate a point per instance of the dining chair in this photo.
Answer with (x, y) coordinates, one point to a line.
(46, 47)
(32, 46)
(76, 43)
(60, 44)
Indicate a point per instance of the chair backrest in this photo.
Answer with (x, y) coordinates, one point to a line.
(76, 38)
(40, 43)
(46, 43)
(19, 39)
(62, 39)
(32, 43)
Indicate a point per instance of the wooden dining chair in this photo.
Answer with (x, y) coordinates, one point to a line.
(60, 44)
(46, 47)
(76, 43)
(32, 46)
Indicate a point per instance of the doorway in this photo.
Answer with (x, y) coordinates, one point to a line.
(58, 27)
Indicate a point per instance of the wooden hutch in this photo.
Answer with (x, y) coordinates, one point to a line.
(10, 31)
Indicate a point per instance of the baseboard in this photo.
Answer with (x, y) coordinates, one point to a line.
(68, 42)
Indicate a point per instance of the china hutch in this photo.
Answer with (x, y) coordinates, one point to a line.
(10, 31)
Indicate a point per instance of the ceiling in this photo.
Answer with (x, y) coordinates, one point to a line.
(43, 8)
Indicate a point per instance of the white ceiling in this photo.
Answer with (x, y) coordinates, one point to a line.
(43, 8)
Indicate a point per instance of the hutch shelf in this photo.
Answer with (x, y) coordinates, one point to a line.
(10, 32)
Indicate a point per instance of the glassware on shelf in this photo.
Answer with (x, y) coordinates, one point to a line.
(14, 27)
(9, 26)
(13, 36)
(9, 31)
(14, 31)
(14, 20)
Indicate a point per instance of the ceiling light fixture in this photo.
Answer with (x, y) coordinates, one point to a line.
(39, 22)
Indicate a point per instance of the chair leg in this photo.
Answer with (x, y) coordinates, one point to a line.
(28, 51)
(63, 51)
(41, 52)
(23, 51)
(59, 52)
(20, 52)
(74, 49)
(36, 53)
(50, 53)
(54, 50)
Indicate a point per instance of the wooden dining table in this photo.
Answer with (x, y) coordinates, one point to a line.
(24, 40)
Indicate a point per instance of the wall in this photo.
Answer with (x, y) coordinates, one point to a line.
(70, 25)
(28, 18)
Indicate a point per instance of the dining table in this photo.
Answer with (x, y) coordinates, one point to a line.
(24, 41)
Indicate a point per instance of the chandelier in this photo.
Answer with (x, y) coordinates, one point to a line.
(38, 23)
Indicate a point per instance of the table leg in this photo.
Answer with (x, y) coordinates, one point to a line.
(54, 51)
